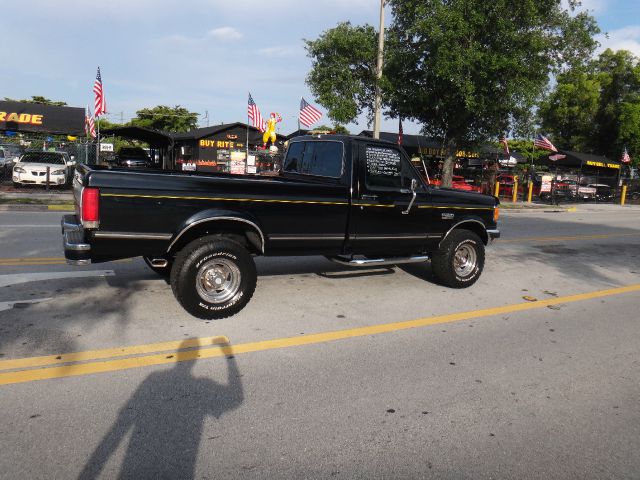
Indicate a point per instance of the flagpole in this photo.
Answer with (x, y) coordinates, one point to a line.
(98, 144)
(299, 116)
(248, 95)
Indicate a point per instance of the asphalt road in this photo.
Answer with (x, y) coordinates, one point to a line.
(329, 372)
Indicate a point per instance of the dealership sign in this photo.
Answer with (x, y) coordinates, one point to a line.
(38, 118)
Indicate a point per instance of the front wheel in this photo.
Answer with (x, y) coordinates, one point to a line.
(213, 277)
(460, 260)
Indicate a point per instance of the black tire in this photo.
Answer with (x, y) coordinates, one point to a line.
(446, 266)
(164, 272)
(209, 261)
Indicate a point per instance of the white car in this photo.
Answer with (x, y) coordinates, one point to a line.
(31, 168)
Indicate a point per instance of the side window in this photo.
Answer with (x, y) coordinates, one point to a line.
(386, 169)
(383, 168)
(293, 162)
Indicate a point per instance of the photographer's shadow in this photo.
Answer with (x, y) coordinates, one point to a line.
(166, 415)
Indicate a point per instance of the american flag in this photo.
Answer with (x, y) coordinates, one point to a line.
(625, 156)
(505, 145)
(400, 132)
(308, 113)
(90, 126)
(543, 142)
(100, 103)
(253, 112)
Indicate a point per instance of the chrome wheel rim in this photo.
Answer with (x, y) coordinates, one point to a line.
(218, 280)
(465, 260)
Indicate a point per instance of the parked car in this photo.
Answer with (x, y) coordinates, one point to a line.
(355, 200)
(9, 155)
(580, 192)
(506, 185)
(458, 182)
(133, 157)
(31, 168)
(604, 193)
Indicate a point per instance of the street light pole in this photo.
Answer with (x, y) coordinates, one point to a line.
(378, 100)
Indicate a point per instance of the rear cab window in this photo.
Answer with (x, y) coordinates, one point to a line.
(316, 158)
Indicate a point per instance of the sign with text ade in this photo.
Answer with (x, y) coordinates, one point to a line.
(38, 118)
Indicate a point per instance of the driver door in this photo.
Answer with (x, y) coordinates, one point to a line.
(385, 217)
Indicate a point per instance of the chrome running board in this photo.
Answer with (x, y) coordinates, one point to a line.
(374, 262)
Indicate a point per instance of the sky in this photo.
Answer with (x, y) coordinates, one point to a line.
(204, 55)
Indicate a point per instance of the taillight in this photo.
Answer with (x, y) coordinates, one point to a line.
(90, 207)
(496, 214)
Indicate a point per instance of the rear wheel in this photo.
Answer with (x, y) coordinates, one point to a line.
(460, 260)
(213, 277)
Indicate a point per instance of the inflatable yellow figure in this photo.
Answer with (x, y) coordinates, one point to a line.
(270, 132)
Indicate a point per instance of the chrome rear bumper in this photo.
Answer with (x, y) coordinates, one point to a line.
(76, 250)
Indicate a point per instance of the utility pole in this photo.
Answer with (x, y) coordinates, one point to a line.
(378, 100)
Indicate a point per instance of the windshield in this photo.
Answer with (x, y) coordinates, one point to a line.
(43, 157)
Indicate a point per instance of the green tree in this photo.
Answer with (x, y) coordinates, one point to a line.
(342, 76)
(337, 128)
(468, 71)
(568, 113)
(596, 108)
(38, 99)
(170, 119)
(619, 75)
(341, 129)
(629, 133)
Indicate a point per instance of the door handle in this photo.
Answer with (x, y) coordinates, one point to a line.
(369, 197)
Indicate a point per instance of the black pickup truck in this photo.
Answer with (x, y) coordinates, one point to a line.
(355, 200)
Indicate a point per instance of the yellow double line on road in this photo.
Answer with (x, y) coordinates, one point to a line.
(27, 261)
(30, 261)
(211, 347)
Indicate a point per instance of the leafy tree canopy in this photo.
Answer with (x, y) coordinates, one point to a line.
(341, 129)
(343, 72)
(171, 119)
(596, 107)
(468, 71)
(39, 99)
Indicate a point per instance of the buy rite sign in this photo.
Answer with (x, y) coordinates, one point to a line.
(37, 118)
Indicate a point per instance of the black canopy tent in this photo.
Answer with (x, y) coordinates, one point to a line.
(39, 118)
(157, 140)
(589, 168)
